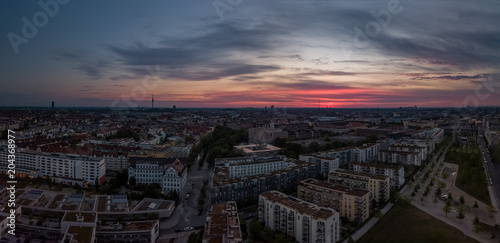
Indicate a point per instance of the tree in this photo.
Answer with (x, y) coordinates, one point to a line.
(446, 209)
(476, 224)
(450, 197)
(254, 228)
(96, 182)
(461, 213)
(492, 210)
(475, 206)
(132, 181)
(351, 240)
(438, 192)
(461, 199)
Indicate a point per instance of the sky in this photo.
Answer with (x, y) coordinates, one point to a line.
(250, 53)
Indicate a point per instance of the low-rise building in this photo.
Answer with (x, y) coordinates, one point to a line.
(170, 174)
(223, 224)
(260, 150)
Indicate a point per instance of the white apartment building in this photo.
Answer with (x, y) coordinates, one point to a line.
(366, 152)
(65, 168)
(324, 164)
(400, 157)
(305, 221)
(170, 174)
(258, 166)
(175, 177)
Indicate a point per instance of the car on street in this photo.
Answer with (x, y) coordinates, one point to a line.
(187, 196)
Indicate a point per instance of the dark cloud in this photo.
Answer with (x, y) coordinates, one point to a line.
(90, 66)
(205, 57)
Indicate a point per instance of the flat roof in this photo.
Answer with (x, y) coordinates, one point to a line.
(150, 204)
(81, 233)
(298, 205)
(74, 215)
(335, 187)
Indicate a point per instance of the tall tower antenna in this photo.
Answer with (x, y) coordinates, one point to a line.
(152, 102)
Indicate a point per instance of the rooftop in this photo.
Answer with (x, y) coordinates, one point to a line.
(81, 233)
(298, 205)
(74, 216)
(339, 188)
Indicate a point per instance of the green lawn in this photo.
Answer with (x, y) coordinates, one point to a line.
(471, 176)
(412, 225)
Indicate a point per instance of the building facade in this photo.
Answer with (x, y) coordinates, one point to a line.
(223, 224)
(378, 185)
(247, 189)
(353, 204)
(170, 174)
(396, 173)
(304, 221)
(65, 168)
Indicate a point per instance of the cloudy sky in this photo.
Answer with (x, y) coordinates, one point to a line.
(236, 53)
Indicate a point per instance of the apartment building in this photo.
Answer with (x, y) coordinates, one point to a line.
(258, 166)
(396, 173)
(378, 185)
(260, 150)
(223, 224)
(261, 135)
(68, 169)
(400, 157)
(365, 153)
(247, 188)
(304, 221)
(323, 164)
(353, 204)
(164, 151)
(169, 173)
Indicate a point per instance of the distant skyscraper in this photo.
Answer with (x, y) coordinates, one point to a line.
(152, 102)
(52, 104)
(173, 107)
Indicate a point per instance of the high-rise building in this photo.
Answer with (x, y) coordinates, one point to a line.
(52, 104)
(378, 185)
(353, 204)
(304, 221)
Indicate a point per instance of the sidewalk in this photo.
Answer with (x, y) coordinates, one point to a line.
(360, 232)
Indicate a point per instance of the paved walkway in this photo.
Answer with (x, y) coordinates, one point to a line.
(436, 209)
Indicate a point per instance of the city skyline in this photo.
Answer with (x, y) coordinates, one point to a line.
(341, 54)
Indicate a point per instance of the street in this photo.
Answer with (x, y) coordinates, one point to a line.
(186, 213)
